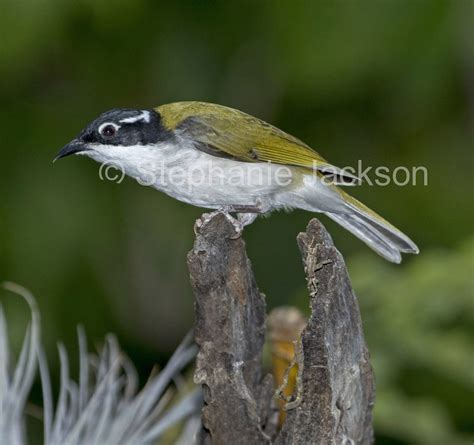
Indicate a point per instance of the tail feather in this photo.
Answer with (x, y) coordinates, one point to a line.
(369, 236)
(373, 230)
(391, 233)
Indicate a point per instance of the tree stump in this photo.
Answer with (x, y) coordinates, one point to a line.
(335, 390)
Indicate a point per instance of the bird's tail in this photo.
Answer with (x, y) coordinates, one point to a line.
(372, 229)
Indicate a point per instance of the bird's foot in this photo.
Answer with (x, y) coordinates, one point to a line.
(246, 218)
(246, 214)
(238, 225)
(206, 217)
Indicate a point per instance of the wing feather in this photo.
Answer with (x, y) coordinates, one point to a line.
(220, 130)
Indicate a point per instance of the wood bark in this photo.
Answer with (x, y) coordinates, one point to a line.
(335, 386)
(230, 333)
(336, 382)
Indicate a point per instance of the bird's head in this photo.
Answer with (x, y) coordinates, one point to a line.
(118, 135)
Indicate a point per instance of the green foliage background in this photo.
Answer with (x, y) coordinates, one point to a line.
(387, 82)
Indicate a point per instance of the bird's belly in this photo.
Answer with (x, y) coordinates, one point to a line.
(207, 181)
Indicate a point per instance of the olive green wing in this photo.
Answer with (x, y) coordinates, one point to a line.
(223, 131)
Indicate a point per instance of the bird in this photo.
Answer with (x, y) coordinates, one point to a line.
(216, 157)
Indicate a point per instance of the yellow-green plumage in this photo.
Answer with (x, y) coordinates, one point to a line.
(242, 136)
(249, 139)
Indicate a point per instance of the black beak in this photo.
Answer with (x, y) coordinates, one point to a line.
(75, 146)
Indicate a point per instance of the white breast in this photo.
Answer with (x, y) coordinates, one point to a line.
(195, 177)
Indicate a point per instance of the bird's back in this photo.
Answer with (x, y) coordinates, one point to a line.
(238, 134)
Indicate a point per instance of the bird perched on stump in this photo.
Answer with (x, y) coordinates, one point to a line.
(220, 158)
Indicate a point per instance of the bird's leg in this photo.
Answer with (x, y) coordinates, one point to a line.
(238, 225)
(257, 208)
(246, 218)
(246, 214)
(206, 217)
(226, 210)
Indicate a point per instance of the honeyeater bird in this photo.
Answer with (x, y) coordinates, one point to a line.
(217, 157)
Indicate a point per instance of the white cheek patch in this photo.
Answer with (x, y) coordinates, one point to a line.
(143, 116)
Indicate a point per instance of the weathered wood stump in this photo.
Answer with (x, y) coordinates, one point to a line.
(335, 386)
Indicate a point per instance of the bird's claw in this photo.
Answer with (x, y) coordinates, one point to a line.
(206, 217)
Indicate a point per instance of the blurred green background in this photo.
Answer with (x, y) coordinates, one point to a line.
(387, 82)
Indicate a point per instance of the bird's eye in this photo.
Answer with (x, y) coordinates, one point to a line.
(108, 130)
